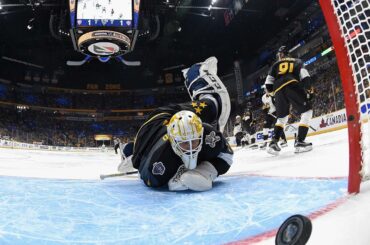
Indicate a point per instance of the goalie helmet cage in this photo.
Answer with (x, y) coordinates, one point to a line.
(348, 22)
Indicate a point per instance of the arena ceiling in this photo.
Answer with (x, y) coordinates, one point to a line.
(189, 32)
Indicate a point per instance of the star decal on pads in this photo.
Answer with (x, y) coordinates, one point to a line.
(158, 168)
(212, 139)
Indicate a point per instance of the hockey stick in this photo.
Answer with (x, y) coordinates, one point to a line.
(104, 176)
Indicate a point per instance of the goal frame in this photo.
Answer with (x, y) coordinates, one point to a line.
(350, 96)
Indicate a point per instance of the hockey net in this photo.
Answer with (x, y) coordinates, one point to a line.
(349, 27)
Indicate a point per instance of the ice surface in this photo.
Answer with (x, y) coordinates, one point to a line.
(126, 212)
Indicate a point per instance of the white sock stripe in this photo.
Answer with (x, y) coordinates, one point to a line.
(306, 117)
(226, 157)
(282, 121)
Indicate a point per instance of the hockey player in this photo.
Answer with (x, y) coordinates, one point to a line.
(116, 142)
(270, 119)
(182, 145)
(238, 130)
(289, 81)
(250, 128)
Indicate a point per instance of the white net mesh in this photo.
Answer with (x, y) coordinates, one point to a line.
(354, 19)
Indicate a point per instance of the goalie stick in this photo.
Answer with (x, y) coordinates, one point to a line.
(104, 176)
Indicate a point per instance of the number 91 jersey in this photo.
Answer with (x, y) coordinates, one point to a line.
(286, 71)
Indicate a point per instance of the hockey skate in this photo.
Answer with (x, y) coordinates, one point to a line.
(263, 146)
(273, 148)
(301, 147)
(283, 143)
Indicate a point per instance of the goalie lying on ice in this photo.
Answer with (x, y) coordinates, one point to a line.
(182, 145)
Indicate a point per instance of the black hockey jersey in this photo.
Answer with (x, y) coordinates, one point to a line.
(153, 155)
(284, 72)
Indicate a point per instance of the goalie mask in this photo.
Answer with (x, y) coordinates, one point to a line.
(185, 132)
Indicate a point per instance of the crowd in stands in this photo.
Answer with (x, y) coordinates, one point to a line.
(89, 100)
(48, 127)
(43, 121)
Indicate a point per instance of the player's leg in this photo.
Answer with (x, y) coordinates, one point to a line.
(267, 124)
(238, 138)
(202, 83)
(252, 133)
(115, 148)
(303, 106)
(284, 142)
(282, 111)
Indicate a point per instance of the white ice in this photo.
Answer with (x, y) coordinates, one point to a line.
(346, 224)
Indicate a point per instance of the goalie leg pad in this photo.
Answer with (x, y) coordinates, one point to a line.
(126, 165)
(202, 79)
(126, 151)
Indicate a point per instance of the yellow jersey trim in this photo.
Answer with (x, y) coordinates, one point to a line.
(282, 86)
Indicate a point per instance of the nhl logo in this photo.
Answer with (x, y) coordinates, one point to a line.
(158, 168)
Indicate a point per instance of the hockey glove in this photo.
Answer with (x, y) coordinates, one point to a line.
(310, 94)
(273, 99)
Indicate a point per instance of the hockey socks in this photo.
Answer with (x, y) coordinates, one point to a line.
(302, 133)
(283, 136)
(278, 131)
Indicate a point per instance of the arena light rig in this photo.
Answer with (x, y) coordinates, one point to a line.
(104, 30)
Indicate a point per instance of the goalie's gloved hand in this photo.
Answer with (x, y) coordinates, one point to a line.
(310, 93)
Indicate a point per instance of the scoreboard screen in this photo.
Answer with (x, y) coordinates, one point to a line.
(117, 13)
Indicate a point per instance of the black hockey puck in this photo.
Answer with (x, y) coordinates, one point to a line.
(296, 230)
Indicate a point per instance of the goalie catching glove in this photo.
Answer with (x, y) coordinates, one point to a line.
(198, 179)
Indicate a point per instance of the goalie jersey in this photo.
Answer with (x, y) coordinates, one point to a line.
(153, 155)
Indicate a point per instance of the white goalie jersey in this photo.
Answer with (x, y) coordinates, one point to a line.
(267, 103)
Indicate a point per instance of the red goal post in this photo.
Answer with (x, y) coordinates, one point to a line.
(348, 22)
